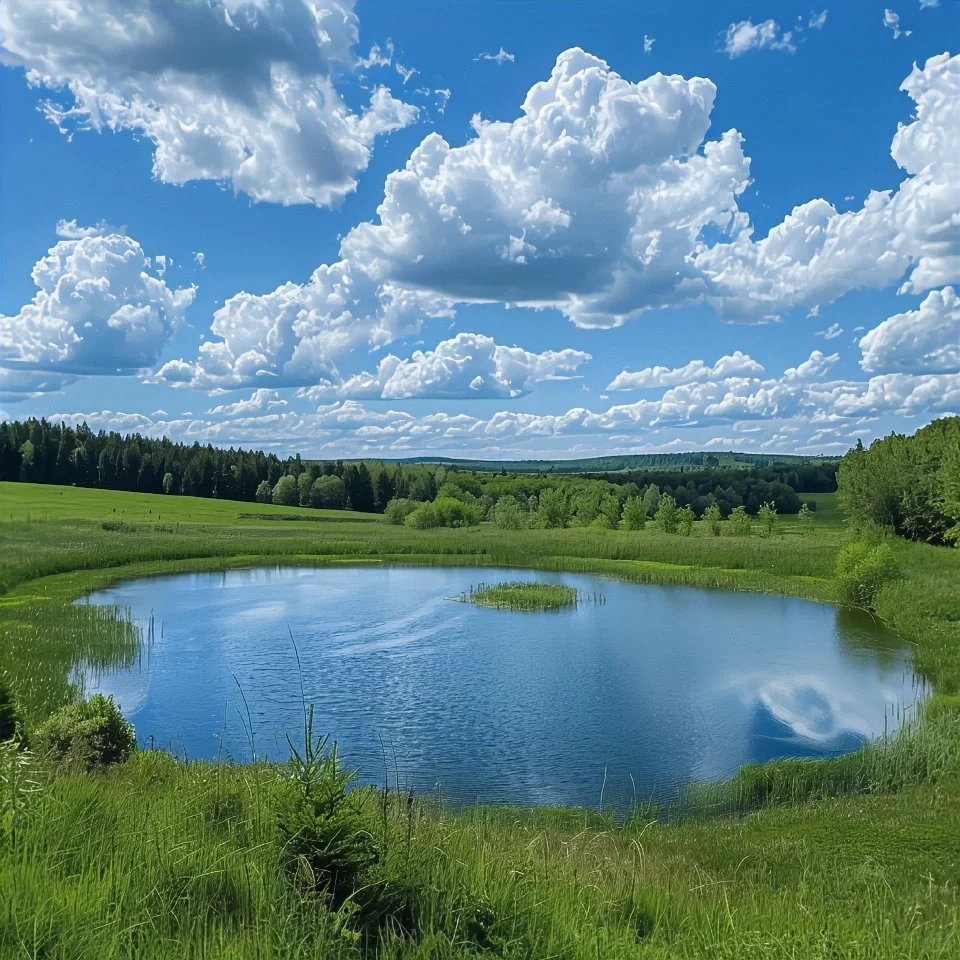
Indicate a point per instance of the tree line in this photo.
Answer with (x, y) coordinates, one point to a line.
(910, 485)
(727, 489)
(37, 451)
(525, 501)
(618, 463)
(818, 477)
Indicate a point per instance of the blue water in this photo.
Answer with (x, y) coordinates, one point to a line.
(664, 685)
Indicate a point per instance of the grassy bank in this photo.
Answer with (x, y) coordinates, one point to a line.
(165, 860)
(855, 858)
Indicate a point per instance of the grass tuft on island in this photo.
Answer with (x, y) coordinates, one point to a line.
(521, 595)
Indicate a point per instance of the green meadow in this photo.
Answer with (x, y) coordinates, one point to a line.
(856, 857)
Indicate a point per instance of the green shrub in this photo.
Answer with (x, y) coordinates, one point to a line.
(399, 509)
(738, 523)
(906, 484)
(685, 518)
(667, 516)
(423, 518)
(8, 714)
(328, 835)
(327, 843)
(454, 491)
(553, 509)
(508, 514)
(634, 514)
(444, 512)
(91, 733)
(767, 516)
(862, 570)
(457, 513)
(609, 516)
(714, 518)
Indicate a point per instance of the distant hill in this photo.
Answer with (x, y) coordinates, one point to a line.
(636, 461)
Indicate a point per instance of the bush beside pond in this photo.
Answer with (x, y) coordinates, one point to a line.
(91, 733)
(862, 570)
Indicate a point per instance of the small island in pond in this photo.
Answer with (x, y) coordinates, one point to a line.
(519, 595)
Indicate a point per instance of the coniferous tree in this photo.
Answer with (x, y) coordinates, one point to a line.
(359, 488)
(385, 490)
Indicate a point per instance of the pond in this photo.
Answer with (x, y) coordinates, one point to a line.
(653, 688)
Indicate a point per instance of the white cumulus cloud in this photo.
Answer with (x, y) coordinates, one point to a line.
(831, 333)
(261, 399)
(473, 364)
(468, 366)
(733, 365)
(238, 91)
(501, 56)
(818, 254)
(71, 230)
(292, 336)
(592, 201)
(816, 366)
(800, 410)
(891, 20)
(924, 340)
(603, 200)
(746, 35)
(101, 308)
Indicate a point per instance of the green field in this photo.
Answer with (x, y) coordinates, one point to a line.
(29, 501)
(854, 858)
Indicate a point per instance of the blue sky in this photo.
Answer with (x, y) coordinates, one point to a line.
(587, 273)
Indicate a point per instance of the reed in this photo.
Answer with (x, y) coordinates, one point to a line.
(521, 595)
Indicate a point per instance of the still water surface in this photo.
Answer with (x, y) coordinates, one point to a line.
(667, 685)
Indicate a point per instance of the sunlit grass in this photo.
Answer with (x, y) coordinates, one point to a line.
(36, 502)
(162, 860)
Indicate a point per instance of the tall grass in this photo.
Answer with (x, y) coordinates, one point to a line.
(923, 750)
(521, 595)
(161, 859)
(51, 647)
